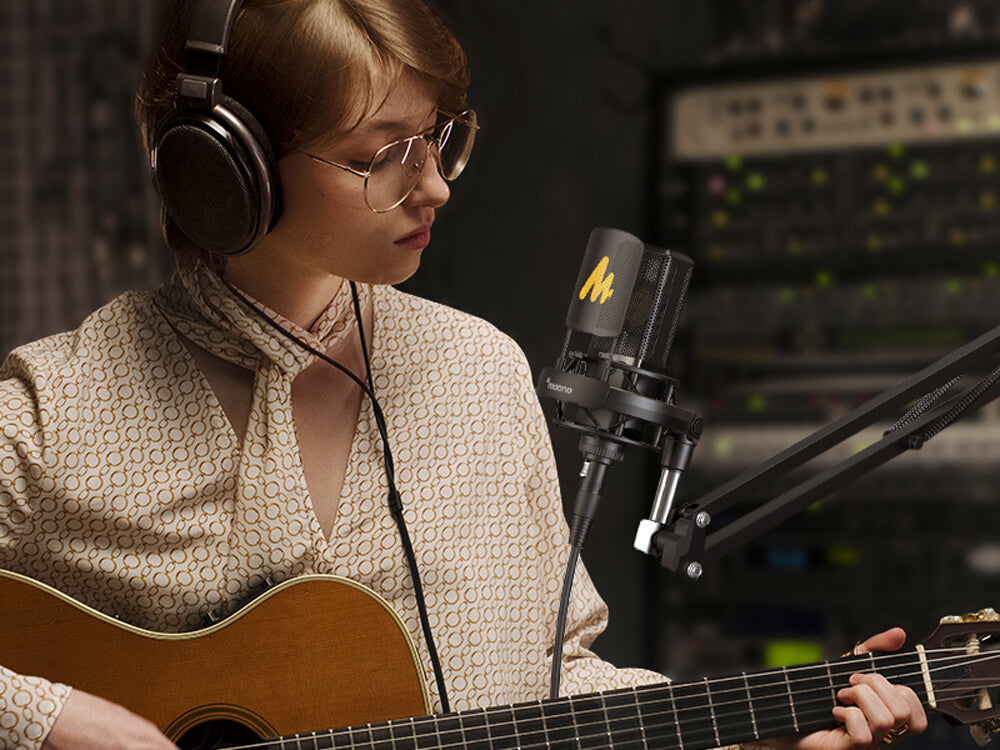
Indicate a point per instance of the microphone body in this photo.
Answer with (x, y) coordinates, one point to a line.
(610, 382)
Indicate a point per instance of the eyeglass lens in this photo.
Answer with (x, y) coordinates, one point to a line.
(396, 168)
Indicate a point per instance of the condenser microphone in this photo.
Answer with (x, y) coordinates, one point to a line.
(610, 383)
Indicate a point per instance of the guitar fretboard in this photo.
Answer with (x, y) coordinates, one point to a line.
(685, 716)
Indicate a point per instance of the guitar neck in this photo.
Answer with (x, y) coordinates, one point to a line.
(674, 716)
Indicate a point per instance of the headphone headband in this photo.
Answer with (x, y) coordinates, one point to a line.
(211, 22)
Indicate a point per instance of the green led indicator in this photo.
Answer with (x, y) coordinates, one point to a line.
(824, 279)
(919, 170)
(757, 403)
(756, 182)
(953, 287)
(869, 291)
(734, 196)
(734, 162)
(896, 150)
(897, 185)
(843, 557)
(723, 447)
(991, 269)
(788, 653)
(787, 295)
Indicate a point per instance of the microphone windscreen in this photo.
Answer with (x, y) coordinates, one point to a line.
(653, 313)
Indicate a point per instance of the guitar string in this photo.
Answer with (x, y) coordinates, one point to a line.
(808, 715)
(603, 738)
(722, 720)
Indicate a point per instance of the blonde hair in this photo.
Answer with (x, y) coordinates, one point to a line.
(308, 70)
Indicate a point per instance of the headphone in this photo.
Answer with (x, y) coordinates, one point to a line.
(212, 162)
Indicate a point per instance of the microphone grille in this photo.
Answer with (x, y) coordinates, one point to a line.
(653, 312)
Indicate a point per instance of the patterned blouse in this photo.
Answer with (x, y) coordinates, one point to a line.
(123, 485)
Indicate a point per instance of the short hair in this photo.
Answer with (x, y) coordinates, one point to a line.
(309, 70)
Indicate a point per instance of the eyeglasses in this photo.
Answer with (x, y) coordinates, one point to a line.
(396, 168)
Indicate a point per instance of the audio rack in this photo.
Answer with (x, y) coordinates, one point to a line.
(844, 221)
(844, 224)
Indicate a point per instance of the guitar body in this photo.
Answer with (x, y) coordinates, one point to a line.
(321, 651)
(315, 651)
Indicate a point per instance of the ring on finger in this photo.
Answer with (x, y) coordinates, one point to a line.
(895, 733)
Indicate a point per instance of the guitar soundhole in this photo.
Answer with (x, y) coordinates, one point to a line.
(217, 734)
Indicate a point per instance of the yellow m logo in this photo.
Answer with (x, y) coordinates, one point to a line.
(598, 284)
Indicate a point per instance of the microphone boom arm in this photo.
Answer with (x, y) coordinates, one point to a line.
(684, 542)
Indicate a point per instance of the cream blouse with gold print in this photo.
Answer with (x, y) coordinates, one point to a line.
(123, 485)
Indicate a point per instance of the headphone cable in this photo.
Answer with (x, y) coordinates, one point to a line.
(394, 500)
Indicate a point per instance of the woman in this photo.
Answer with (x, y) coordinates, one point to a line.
(184, 448)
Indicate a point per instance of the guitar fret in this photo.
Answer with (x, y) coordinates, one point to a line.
(695, 727)
(619, 711)
(381, 736)
(321, 741)
(753, 714)
(341, 740)
(401, 735)
(791, 702)
(486, 726)
(475, 730)
(574, 723)
(657, 713)
(449, 730)
(503, 733)
(642, 725)
(461, 728)
(770, 703)
(813, 689)
(829, 676)
(593, 731)
(734, 723)
(711, 708)
(560, 728)
(677, 719)
(361, 735)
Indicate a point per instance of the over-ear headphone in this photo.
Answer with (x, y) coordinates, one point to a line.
(212, 162)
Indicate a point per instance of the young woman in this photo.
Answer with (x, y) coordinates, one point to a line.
(185, 448)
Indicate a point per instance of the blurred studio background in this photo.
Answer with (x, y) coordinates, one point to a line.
(830, 165)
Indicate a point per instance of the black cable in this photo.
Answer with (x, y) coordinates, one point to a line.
(557, 645)
(588, 496)
(394, 500)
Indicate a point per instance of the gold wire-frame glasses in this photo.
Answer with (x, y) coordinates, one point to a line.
(395, 169)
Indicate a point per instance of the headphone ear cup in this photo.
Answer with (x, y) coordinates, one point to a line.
(216, 174)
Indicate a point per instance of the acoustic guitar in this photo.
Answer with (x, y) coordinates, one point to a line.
(321, 651)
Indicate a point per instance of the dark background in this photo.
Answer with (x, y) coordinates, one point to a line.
(569, 98)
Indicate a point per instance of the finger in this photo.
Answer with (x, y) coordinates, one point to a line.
(878, 716)
(902, 702)
(887, 640)
(893, 697)
(859, 734)
(917, 722)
